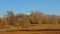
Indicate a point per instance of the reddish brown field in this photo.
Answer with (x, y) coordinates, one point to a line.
(34, 32)
(37, 32)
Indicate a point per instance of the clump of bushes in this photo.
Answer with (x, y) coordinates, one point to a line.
(35, 17)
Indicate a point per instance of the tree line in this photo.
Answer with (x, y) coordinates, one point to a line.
(35, 17)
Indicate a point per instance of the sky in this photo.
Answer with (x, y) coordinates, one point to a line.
(26, 6)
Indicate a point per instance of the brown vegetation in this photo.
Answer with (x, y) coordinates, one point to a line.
(25, 20)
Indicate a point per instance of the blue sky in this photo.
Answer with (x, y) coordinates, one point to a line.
(25, 6)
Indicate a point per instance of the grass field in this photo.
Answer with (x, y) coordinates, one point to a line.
(44, 26)
(31, 32)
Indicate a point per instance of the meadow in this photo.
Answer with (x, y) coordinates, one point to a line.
(35, 22)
